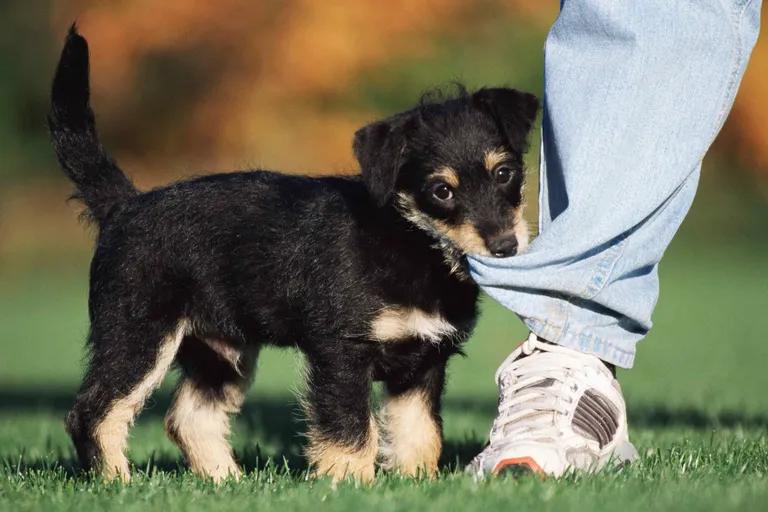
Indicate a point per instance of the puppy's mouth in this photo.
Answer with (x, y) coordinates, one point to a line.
(511, 242)
(503, 245)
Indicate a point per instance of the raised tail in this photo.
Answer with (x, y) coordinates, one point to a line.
(99, 181)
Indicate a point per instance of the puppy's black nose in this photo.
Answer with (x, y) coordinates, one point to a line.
(503, 245)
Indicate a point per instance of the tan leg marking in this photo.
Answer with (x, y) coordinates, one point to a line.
(494, 157)
(340, 462)
(111, 433)
(412, 440)
(401, 323)
(199, 424)
(198, 420)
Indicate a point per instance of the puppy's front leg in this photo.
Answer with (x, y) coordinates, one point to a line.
(343, 437)
(413, 428)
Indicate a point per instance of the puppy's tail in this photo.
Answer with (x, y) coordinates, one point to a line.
(99, 182)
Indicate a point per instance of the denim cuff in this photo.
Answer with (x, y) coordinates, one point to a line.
(586, 338)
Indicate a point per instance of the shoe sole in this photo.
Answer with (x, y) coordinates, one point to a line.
(518, 466)
(623, 455)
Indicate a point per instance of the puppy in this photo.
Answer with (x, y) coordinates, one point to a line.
(363, 274)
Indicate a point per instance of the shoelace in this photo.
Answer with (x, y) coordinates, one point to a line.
(531, 390)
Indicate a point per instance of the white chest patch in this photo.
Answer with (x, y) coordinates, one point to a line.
(401, 323)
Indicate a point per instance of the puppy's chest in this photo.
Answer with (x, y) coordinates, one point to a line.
(396, 324)
(407, 338)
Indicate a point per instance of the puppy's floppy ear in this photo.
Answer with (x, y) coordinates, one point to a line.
(381, 148)
(514, 110)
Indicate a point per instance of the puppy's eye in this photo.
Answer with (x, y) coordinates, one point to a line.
(442, 192)
(502, 174)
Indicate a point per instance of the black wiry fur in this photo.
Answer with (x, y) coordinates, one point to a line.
(100, 183)
(257, 257)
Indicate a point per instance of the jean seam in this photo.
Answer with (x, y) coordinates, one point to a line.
(604, 269)
(542, 326)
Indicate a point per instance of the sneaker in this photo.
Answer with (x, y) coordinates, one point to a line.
(559, 410)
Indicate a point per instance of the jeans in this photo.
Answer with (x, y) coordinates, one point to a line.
(634, 94)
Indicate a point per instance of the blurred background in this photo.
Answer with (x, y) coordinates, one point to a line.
(183, 87)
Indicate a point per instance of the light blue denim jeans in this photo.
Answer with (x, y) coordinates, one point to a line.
(635, 91)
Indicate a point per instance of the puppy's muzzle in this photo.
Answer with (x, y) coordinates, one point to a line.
(502, 246)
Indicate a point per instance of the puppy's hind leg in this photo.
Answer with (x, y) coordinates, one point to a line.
(128, 361)
(212, 387)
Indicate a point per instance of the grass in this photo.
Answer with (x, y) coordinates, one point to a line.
(697, 403)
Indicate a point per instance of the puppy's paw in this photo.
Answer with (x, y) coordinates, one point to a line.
(343, 462)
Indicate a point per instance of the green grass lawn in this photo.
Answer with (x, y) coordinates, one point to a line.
(697, 401)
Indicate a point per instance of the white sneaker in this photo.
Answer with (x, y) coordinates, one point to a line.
(559, 409)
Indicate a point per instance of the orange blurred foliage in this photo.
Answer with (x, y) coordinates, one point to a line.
(275, 63)
(747, 129)
(278, 58)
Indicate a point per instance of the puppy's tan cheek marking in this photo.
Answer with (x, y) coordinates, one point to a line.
(340, 462)
(521, 231)
(412, 440)
(493, 158)
(111, 433)
(400, 323)
(464, 236)
(448, 175)
(411, 212)
(199, 424)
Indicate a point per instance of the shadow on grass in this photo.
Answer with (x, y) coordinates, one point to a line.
(278, 415)
(276, 421)
(273, 421)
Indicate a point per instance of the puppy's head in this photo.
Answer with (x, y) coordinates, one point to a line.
(455, 168)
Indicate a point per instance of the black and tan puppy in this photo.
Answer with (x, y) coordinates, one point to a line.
(363, 274)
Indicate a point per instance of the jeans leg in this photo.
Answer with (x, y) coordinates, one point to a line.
(634, 95)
